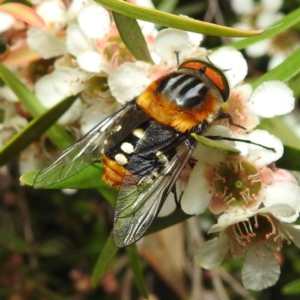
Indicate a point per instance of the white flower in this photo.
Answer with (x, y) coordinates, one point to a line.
(53, 13)
(61, 83)
(282, 192)
(172, 42)
(271, 98)
(197, 194)
(94, 20)
(255, 234)
(83, 48)
(232, 63)
(261, 15)
(257, 154)
(7, 94)
(128, 81)
(12, 122)
(243, 9)
(146, 27)
(46, 44)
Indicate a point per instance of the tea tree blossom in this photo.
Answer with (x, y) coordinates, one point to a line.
(256, 235)
(255, 203)
(262, 15)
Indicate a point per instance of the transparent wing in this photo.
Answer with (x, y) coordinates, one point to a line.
(140, 200)
(90, 147)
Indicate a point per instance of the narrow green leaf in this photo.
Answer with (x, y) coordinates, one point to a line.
(56, 133)
(283, 72)
(136, 267)
(281, 130)
(132, 37)
(108, 252)
(214, 144)
(89, 177)
(14, 243)
(169, 20)
(292, 288)
(290, 159)
(285, 23)
(33, 130)
(295, 86)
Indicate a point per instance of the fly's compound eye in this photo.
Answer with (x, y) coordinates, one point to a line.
(215, 75)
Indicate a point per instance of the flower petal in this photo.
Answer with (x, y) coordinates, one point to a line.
(271, 98)
(128, 81)
(282, 212)
(245, 9)
(90, 61)
(94, 20)
(276, 60)
(293, 231)
(260, 270)
(46, 44)
(76, 40)
(197, 195)
(272, 5)
(54, 87)
(282, 192)
(53, 13)
(212, 252)
(266, 19)
(232, 216)
(170, 41)
(168, 207)
(74, 9)
(232, 63)
(258, 49)
(8, 94)
(257, 154)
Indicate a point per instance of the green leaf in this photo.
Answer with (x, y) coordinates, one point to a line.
(107, 254)
(136, 267)
(33, 130)
(295, 86)
(169, 20)
(285, 23)
(132, 37)
(292, 288)
(89, 177)
(283, 72)
(290, 159)
(56, 133)
(281, 130)
(214, 144)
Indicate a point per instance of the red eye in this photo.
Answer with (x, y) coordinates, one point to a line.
(212, 72)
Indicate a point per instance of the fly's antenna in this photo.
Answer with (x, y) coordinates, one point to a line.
(219, 138)
(210, 61)
(230, 120)
(177, 58)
